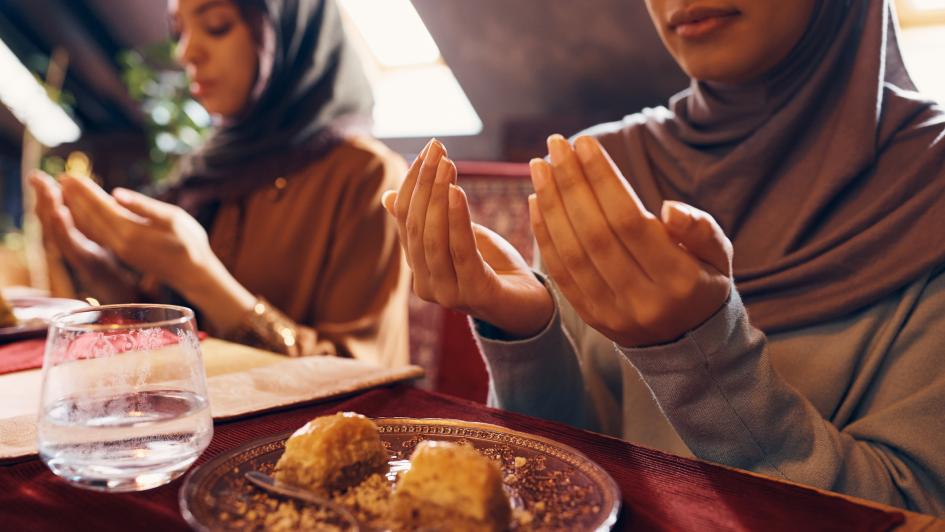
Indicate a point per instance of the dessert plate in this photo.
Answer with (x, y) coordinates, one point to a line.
(551, 486)
(33, 315)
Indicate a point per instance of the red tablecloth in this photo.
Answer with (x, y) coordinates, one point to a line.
(28, 354)
(23, 355)
(660, 491)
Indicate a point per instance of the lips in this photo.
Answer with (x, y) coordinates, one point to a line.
(199, 87)
(695, 21)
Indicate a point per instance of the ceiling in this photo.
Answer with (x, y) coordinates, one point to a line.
(529, 67)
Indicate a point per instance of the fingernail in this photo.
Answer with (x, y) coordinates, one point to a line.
(584, 146)
(539, 171)
(443, 170)
(534, 212)
(122, 194)
(387, 200)
(455, 196)
(557, 146)
(675, 214)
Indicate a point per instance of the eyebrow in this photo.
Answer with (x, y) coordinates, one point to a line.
(210, 5)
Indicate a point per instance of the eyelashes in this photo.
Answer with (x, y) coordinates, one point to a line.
(215, 29)
(219, 30)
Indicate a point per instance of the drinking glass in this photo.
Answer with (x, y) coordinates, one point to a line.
(124, 397)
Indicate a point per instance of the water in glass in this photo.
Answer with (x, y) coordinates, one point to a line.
(124, 402)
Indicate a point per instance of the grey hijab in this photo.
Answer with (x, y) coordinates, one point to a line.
(828, 175)
(311, 94)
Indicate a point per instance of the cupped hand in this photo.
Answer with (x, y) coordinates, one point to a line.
(456, 263)
(151, 236)
(97, 270)
(638, 279)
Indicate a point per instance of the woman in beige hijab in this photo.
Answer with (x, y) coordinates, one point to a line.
(274, 231)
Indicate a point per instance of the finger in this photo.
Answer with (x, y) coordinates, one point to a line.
(95, 213)
(388, 201)
(64, 232)
(47, 192)
(470, 268)
(436, 235)
(616, 265)
(417, 213)
(563, 236)
(552, 261)
(700, 234)
(402, 205)
(146, 207)
(642, 234)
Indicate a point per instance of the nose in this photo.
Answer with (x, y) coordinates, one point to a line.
(189, 52)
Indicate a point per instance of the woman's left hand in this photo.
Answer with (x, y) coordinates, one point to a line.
(635, 278)
(151, 236)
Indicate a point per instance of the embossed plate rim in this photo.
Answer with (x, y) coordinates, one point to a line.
(611, 492)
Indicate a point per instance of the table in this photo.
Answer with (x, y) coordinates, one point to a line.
(686, 494)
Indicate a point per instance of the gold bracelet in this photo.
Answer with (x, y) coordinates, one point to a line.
(265, 326)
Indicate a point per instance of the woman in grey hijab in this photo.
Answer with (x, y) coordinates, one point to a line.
(813, 351)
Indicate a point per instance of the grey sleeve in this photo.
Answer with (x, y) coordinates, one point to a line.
(538, 376)
(723, 396)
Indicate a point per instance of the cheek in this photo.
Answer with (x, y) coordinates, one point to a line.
(745, 51)
(243, 63)
(238, 64)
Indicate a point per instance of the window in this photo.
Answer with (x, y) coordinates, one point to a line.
(27, 99)
(922, 39)
(415, 92)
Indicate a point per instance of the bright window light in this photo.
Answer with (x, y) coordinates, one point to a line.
(422, 102)
(923, 48)
(928, 5)
(415, 92)
(920, 12)
(27, 100)
(393, 31)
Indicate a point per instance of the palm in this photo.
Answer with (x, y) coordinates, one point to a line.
(517, 294)
(501, 256)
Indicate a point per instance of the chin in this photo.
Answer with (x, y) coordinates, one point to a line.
(718, 71)
(212, 107)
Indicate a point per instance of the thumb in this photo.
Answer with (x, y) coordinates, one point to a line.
(144, 206)
(699, 233)
(388, 200)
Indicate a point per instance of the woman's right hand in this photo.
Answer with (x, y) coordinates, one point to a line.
(96, 269)
(458, 264)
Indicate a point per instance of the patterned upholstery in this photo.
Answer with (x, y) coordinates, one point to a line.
(441, 341)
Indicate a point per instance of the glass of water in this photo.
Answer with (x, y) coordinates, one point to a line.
(124, 397)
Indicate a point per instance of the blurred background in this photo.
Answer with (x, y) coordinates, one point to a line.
(495, 77)
(91, 85)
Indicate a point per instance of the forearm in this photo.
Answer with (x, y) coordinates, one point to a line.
(720, 391)
(539, 376)
(220, 297)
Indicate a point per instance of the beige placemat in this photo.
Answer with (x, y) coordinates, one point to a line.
(240, 381)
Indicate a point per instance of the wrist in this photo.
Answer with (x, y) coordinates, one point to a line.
(198, 281)
(220, 297)
(523, 320)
